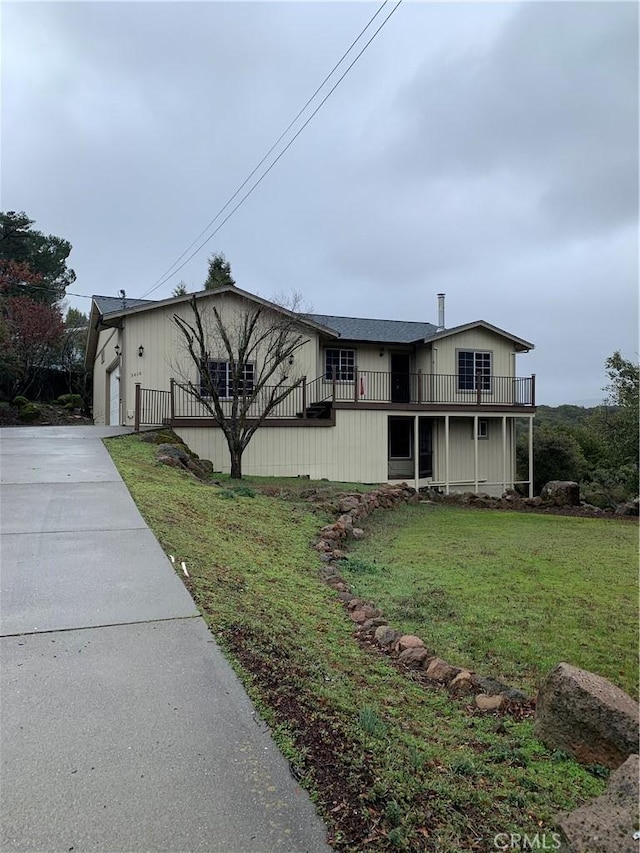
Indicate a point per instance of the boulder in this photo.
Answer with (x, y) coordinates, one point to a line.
(364, 612)
(606, 824)
(408, 641)
(357, 533)
(179, 456)
(586, 716)
(369, 625)
(386, 636)
(358, 616)
(348, 503)
(628, 508)
(561, 493)
(489, 703)
(414, 658)
(441, 671)
(464, 683)
(492, 686)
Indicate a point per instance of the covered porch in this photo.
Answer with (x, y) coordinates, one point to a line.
(456, 451)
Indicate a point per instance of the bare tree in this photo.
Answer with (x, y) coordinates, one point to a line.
(256, 347)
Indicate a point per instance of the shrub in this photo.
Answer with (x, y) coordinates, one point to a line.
(19, 401)
(29, 412)
(70, 401)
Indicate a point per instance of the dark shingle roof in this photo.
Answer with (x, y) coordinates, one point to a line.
(111, 304)
(378, 331)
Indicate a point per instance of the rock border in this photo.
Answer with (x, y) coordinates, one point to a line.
(409, 652)
(558, 497)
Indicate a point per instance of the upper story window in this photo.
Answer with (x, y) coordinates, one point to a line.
(220, 373)
(342, 361)
(472, 364)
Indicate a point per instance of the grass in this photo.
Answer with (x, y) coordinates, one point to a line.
(508, 594)
(390, 765)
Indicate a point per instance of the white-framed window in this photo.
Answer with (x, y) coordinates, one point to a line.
(220, 373)
(472, 364)
(342, 361)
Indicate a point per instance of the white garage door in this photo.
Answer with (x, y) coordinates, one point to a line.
(114, 397)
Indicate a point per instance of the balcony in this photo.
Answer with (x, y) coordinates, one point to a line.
(314, 402)
(433, 389)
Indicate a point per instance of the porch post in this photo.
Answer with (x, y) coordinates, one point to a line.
(304, 396)
(504, 453)
(530, 456)
(356, 376)
(172, 402)
(136, 413)
(475, 453)
(416, 451)
(446, 454)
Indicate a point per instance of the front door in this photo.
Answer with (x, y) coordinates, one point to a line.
(114, 397)
(400, 378)
(425, 447)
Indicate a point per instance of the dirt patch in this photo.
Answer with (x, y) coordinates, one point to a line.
(327, 757)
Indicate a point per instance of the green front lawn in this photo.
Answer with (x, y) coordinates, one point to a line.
(391, 765)
(508, 594)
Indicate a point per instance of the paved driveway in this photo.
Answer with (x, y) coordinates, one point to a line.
(122, 727)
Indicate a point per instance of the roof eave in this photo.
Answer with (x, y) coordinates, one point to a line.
(521, 344)
(227, 288)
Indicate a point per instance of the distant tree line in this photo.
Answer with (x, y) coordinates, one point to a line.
(597, 447)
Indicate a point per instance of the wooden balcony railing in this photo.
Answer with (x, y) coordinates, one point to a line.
(432, 388)
(364, 387)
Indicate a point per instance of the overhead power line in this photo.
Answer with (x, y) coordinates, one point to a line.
(171, 271)
(39, 288)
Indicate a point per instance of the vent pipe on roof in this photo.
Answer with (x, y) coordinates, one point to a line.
(441, 312)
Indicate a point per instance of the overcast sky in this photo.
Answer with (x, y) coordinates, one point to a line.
(489, 151)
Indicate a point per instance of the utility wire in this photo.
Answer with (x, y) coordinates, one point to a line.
(41, 288)
(275, 144)
(168, 275)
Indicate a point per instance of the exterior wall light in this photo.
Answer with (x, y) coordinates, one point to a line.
(116, 349)
(140, 350)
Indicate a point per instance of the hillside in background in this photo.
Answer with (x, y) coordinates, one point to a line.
(566, 415)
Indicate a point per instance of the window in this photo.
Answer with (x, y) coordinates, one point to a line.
(400, 438)
(220, 373)
(470, 365)
(483, 429)
(343, 361)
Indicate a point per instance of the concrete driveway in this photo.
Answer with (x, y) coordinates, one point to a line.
(122, 726)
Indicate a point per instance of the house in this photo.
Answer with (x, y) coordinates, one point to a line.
(378, 400)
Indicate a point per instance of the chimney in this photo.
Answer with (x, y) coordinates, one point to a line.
(440, 312)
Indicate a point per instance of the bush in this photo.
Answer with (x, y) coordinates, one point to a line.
(19, 401)
(557, 455)
(70, 401)
(29, 412)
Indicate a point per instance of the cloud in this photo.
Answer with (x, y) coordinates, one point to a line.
(555, 102)
(485, 150)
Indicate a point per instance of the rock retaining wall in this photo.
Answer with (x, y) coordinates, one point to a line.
(370, 626)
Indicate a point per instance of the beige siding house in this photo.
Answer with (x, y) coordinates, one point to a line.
(376, 400)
